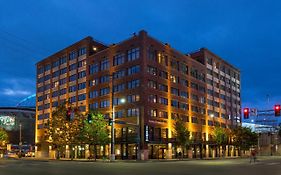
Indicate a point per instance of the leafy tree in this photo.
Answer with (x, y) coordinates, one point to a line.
(95, 131)
(244, 138)
(62, 131)
(220, 136)
(4, 139)
(182, 134)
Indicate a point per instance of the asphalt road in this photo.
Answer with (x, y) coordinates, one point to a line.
(265, 166)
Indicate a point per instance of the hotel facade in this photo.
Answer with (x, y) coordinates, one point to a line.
(158, 84)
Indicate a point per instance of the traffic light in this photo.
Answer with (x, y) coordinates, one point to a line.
(89, 118)
(277, 110)
(110, 122)
(246, 113)
(68, 114)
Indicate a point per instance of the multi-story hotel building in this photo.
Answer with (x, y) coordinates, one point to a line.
(159, 84)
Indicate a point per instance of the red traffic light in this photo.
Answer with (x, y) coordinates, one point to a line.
(246, 113)
(277, 109)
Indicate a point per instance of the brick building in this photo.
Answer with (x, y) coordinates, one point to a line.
(158, 84)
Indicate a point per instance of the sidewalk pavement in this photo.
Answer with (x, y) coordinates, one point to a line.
(149, 160)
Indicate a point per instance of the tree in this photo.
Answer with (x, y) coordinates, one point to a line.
(244, 138)
(95, 131)
(62, 131)
(182, 134)
(4, 139)
(220, 137)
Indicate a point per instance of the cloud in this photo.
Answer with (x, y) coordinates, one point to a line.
(16, 87)
(12, 92)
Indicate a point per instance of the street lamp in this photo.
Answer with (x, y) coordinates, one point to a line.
(122, 100)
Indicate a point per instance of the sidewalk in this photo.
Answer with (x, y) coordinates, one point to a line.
(149, 160)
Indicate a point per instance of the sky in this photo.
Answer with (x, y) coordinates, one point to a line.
(244, 33)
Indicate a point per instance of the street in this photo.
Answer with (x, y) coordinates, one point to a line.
(265, 165)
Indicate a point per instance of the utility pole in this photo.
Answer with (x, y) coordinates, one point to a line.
(20, 141)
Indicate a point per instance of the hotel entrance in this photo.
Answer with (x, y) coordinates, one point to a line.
(157, 151)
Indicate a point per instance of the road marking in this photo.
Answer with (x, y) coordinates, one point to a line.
(273, 163)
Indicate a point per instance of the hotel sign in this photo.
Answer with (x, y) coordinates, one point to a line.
(7, 122)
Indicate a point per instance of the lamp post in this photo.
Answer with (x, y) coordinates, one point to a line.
(20, 142)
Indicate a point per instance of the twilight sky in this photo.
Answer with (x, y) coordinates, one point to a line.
(246, 34)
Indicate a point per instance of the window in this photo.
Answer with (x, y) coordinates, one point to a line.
(117, 101)
(81, 97)
(72, 67)
(194, 109)
(72, 55)
(194, 72)
(119, 74)
(72, 99)
(81, 63)
(55, 104)
(163, 100)
(94, 105)
(184, 68)
(62, 60)
(133, 112)
(81, 86)
(174, 91)
(194, 86)
(94, 82)
(72, 88)
(133, 54)
(119, 87)
(104, 104)
(184, 106)
(40, 80)
(163, 114)
(174, 103)
(63, 91)
(162, 59)
(194, 97)
(152, 98)
(94, 68)
(133, 98)
(55, 64)
(174, 64)
(104, 65)
(93, 94)
(118, 59)
(81, 74)
(152, 70)
(55, 74)
(133, 84)
(47, 77)
(104, 91)
(163, 87)
(133, 70)
(173, 78)
(104, 79)
(72, 78)
(55, 94)
(119, 114)
(63, 71)
(40, 70)
(153, 113)
(163, 74)
(184, 82)
(152, 84)
(151, 54)
(47, 67)
(184, 94)
(82, 51)
(194, 120)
